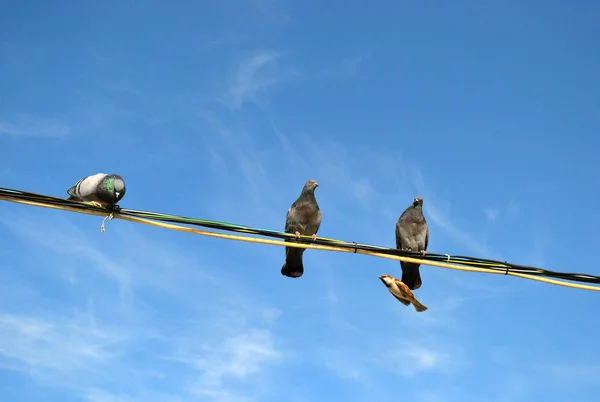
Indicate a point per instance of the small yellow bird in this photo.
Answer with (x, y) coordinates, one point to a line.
(401, 292)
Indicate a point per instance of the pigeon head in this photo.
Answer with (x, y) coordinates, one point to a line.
(113, 187)
(311, 185)
(386, 279)
(418, 201)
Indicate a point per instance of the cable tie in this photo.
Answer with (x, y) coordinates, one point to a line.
(355, 247)
(448, 255)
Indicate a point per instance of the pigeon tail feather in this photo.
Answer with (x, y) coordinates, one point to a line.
(292, 272)
(411, 276)
(293, 266)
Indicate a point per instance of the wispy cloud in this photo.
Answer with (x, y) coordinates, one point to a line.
(346, 68)
(512, 209)
(491, 214)
(274, 8)
(335, 163)
(540, 240)
(86, 350)
(338, 172)
(344, 365)
(28, 126)
(105, 60)
(252, 77)
(411, 359)
(36, 344)
(140, 313)
(237, 157)
(226, 40)
(241, 358)
(66, 239)
(571, 373)
(458, 235)
(442, 219)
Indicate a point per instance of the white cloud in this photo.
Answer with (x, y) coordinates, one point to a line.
(443, 220)
(540, 241)
(101, 395)
(417, 355)
(36, 344)
(288, 149)
(459, 235)
(254, 75)
(27, 126)
(274, 8)
(362, 189)
(512, 209)
(344, 365)
(239, 357)
(88, 351)
(347, 68)
(491, 214)
(572, 373)
(239, 159)
(225, 40)
(66, 239)
(98, 395)
(339, 169)
(414, 359)
(338, 172)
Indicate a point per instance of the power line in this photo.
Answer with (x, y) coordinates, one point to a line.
(462, 263)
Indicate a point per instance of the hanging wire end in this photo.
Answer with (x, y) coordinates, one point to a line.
(109, 217)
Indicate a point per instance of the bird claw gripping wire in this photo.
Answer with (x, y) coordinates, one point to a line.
(110, 217)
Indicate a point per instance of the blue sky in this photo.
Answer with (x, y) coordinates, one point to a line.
(222, 110)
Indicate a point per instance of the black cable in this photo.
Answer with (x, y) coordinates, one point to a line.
(487, 264)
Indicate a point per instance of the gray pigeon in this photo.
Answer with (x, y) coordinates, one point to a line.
(303, 218)
(412, 234)
(101, 189)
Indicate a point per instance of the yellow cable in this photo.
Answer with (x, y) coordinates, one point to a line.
(309, 246)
